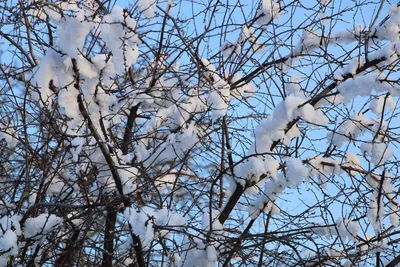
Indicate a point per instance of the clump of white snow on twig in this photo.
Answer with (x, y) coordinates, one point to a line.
(268, 11)
(147, 7)
(41, 225)
(144, 222)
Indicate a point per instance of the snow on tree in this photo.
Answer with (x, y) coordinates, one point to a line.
(199, 133)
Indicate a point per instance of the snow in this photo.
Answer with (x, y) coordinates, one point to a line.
(372, 180)
(52, 12)
(86, 68)
(311, 115)
(176, 145)
(247, 34)
(273, 128)
(147, 7)
(324, 2)
(389, 52)
(144, 220)
(68, 101)
(344, 228)
(197, 255)
(50, 68)
(323, 168)
(291, 134)
(120, 40)
(265, 202)
(353, 65)
(382, 102)
(214, 223)
(230, 189)
(371, 245)
(364, 85)
(394, 213)
(352, 161)
(77, 144)
(70, 41)
(359, 86)
(128, 176)
(296, 171)
(141, 223)
(268, 11)
(32, 199)
(293, 86)
(347, 229)
(345, 37)
(352, 128)
(388, 187)
(11, 222)
(200, 254)
(390, 29)
(378, 151)
(9, 134)
(8, 246)
(100, 63)
(165, 183)
(171, 131)
(227, 48)
(243, 91)
(219, 89)
(254, 167)
(309, 41)
(306, 112)
(374, 215)
(323, 230)
(41, 225)
(128, 262)
(10, 230)
(211, 254)
(175, 259)
(55, 187)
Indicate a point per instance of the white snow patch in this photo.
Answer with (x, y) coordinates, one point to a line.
(147, 7)
(268, 11)
(41, 225)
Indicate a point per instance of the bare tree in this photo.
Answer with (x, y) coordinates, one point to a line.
(199, 133)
